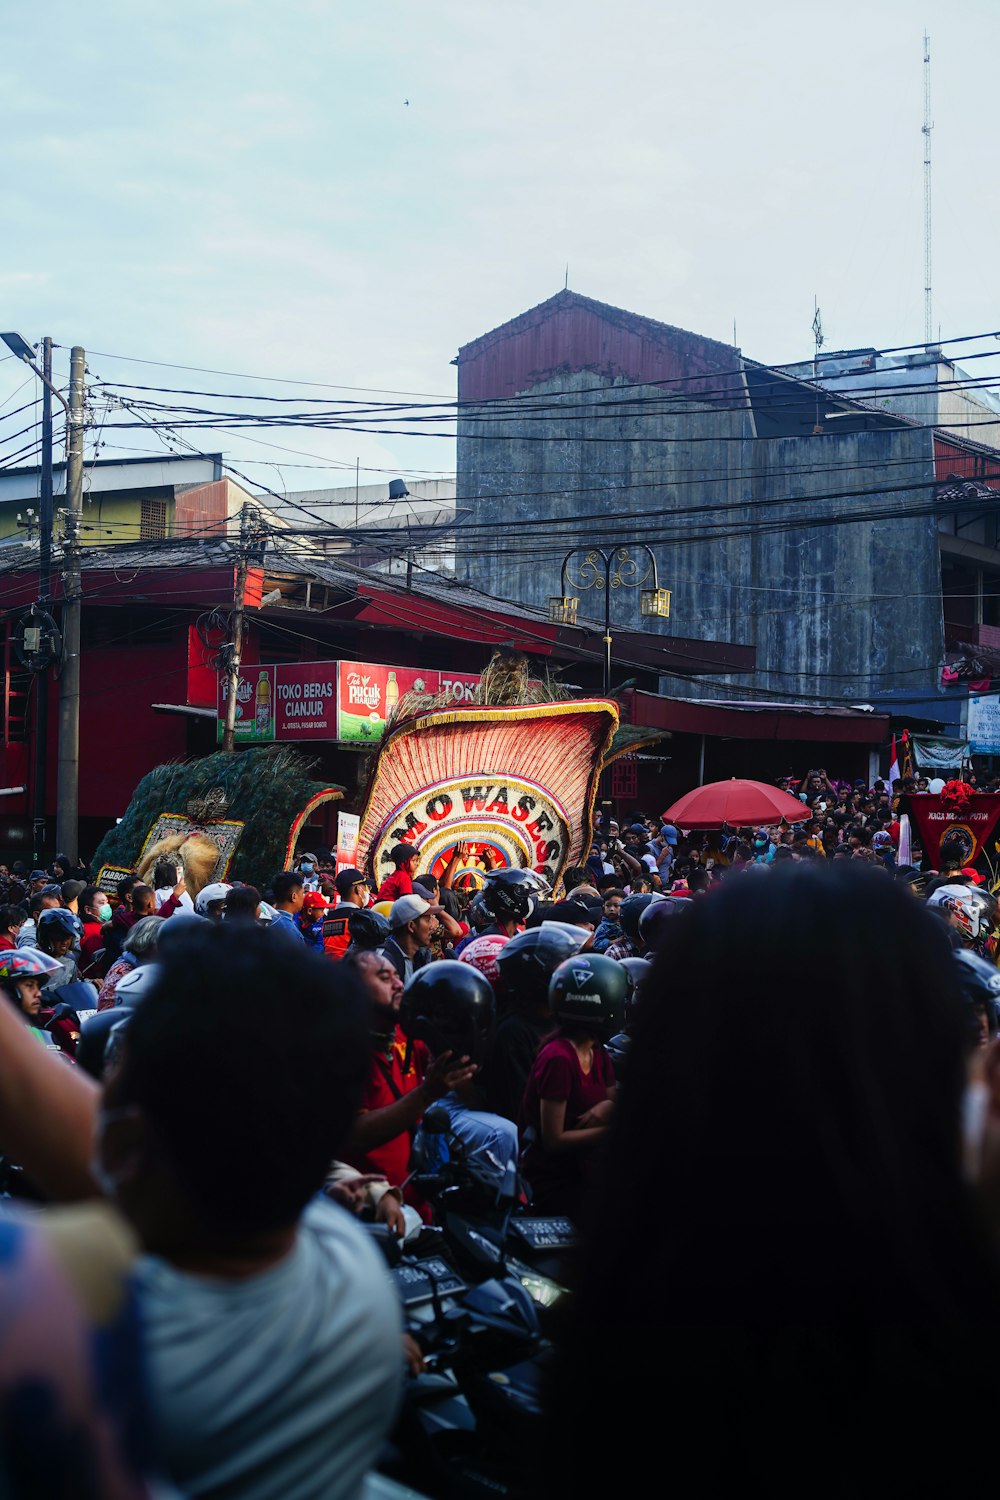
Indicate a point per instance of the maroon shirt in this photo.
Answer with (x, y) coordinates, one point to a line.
(559, 1179)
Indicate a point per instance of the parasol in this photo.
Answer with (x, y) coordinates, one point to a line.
(737, 802)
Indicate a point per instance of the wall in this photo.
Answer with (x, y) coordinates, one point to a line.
(626, 470)
(846, 611)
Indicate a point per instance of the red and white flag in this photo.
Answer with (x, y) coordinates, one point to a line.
(893, 764)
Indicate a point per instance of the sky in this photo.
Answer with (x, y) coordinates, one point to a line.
(345, 191)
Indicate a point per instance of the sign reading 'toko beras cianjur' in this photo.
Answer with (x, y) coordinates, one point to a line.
(503, 820)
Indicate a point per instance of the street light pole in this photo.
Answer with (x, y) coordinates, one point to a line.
(68, 784)
(618, 569)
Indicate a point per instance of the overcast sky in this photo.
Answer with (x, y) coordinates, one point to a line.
(244, 186)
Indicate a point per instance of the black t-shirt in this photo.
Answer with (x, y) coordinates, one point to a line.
(515, 1046)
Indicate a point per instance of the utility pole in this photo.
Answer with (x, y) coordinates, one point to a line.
(926, 129)
(41, 759)
(235, 652)
(68, 793)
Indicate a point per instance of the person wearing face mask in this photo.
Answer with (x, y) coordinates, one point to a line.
(95, 911)
(307, 866)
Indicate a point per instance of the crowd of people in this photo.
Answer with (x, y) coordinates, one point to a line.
(756, 1067)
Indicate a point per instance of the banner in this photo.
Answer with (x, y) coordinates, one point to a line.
(304, 702)
(939, 755)
(348, 827)
(968, 832)
(983, 727)
(367, 694)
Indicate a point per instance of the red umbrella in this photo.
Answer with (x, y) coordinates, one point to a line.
(736, 802)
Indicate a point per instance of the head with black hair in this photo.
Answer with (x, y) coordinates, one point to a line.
(242, 905)
(164, 873)
(288, 890)
(228, 1105)
(811, 1221)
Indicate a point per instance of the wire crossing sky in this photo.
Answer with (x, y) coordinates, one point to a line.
(340, 194)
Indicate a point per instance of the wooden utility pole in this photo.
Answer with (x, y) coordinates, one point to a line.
(68, 793)
(235, 651)
(40, 759)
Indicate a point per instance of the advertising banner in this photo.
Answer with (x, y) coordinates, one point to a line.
(254, 705)
(967, 832)
(303, 702)
(984, 724)
(368, 693)
(348, 827)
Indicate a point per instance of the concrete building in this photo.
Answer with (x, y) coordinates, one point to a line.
(383, 529)
(814, 526)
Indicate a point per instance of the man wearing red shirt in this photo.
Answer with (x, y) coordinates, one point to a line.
(394, 1098)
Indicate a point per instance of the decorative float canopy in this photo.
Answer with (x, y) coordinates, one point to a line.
(516, 785)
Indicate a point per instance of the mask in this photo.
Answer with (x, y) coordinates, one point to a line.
(104, 913)
(307, 869)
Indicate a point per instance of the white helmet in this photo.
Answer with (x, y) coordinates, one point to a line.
(216, 892)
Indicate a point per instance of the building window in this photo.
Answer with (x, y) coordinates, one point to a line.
(152, 520)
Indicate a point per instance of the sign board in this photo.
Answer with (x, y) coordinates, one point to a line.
(304, 702)
(984, 724)
(110, 877)
(368, 693)
(348, 827)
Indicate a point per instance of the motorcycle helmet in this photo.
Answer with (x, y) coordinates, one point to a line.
(527, 962)
(57, 920)
(511, 894)
(661, 910)
(632, 909)
(210, 895)
(136, 984)
(24, 963)
(638, 971)
(590, 991)
(383, 908)
(979, 981)
(449, 1005)
(483, 953)
(971, 916)
(368, 928)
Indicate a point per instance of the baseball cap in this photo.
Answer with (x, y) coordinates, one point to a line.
(407, 909)
(313, 901)
(669, 832)
(347, 879)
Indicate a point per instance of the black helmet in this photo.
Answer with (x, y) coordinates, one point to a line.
(638, 971)
(632, 909)
(449, 1005)
(368, 928)
(979, 981)
(479, 913)
(590, 990)
(511, 893)
(658, 913)
(528, 961)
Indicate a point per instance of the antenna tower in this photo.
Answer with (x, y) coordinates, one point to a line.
(927, 127)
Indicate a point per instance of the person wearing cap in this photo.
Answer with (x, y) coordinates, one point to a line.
(307, 865)
(309, 920)
(288, 895)
(45, 900)
(352, 895)
(413, 922)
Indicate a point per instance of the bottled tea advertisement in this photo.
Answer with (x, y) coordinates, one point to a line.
(368, 694)
(255, 699)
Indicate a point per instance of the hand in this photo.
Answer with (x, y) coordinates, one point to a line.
(446, 1073)
(180, 887)
(599, 1115)
(352, 1193)
(390, 1213)
(412, 1356)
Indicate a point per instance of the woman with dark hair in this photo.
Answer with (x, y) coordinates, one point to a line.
(786, 1271)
